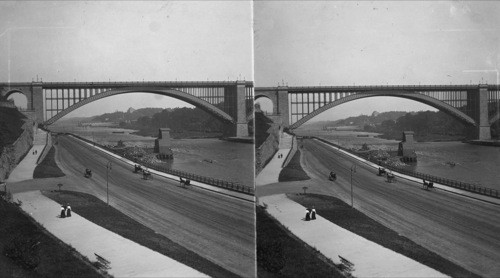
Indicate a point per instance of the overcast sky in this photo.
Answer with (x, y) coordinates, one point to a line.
(376, 43)
(126, 41)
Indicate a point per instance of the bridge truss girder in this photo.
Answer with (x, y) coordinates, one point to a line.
(443, 106)
(104, 92)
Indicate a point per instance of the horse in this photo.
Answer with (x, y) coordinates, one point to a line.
(137, 168)
(381, 171)
(332, 176)
(146, 174)
(88, 173)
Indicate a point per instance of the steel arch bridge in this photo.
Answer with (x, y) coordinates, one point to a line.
(477, 106)
(229, 101)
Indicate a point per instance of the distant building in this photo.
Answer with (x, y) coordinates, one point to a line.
(407, 147)
(162, 144)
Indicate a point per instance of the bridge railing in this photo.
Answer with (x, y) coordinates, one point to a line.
(444, 181)
(229, 185)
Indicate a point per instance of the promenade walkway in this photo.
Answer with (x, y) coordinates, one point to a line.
(369, 258)
(24, 170)
(271, 172)
(128, 259)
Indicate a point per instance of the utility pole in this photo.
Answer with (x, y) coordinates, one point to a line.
(353, 170)
(108, 168)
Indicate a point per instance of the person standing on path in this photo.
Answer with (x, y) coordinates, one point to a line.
(308, 217)
(313, 213)
(63, 211)
(68, 211)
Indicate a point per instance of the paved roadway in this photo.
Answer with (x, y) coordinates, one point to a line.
(217, 227)
(463, 230)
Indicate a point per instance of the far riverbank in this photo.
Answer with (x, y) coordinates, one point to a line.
(455, 160)
(210, 157)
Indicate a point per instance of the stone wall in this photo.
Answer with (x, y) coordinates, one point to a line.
(266, 151)
(292, 152)
(46, 149)
(11, 155)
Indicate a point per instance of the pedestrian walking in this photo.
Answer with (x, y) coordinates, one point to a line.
(308, 216)
(68, 211)
(63, 211)
(313, 214)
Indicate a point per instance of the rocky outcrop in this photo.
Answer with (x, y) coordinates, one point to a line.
(13, 153)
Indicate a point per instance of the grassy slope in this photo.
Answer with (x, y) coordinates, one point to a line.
(48, 167)
(350, 219)
(279, 254)
(293, 171)
(55, 259)
(110, 218)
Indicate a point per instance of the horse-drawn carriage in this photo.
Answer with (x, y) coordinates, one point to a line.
(146, 174)
(381, 171)
(184, 182)
(388, 174)
(391, 177)
(87, 173)
(137, 168)
(332, 176)
(427, 185)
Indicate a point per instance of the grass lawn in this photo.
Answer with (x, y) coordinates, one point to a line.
(48, 167)
(280, 254)
(96, 211)
(293, 171)
(27, 250)
(350, 219)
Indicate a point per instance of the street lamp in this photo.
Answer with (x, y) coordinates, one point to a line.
(353, 170)
(108, 168)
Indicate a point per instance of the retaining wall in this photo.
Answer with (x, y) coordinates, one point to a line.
(291, 153)
(267, 150)
(46, 149)
(12, 154)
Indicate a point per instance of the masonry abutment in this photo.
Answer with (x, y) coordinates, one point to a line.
(483, 124)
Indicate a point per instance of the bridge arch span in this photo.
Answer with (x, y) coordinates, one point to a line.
(197, 102)
(442, 106)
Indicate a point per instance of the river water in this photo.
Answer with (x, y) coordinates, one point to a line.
(472, 163)
(210, 157)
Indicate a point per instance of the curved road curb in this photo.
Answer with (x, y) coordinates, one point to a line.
(208, 187)
(445, 188)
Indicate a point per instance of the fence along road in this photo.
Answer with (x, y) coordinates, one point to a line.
(218, 228)
(461, 229)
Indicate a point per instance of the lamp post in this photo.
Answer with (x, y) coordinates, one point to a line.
(108, 168)
(353, 170)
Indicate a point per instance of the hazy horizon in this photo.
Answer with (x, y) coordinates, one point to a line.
(66, 41)
(345, 43)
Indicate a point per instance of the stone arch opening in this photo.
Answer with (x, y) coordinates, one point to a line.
(265, 103)
(19, 99)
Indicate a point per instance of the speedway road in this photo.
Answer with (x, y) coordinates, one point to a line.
(465, 231)
(217, 227)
